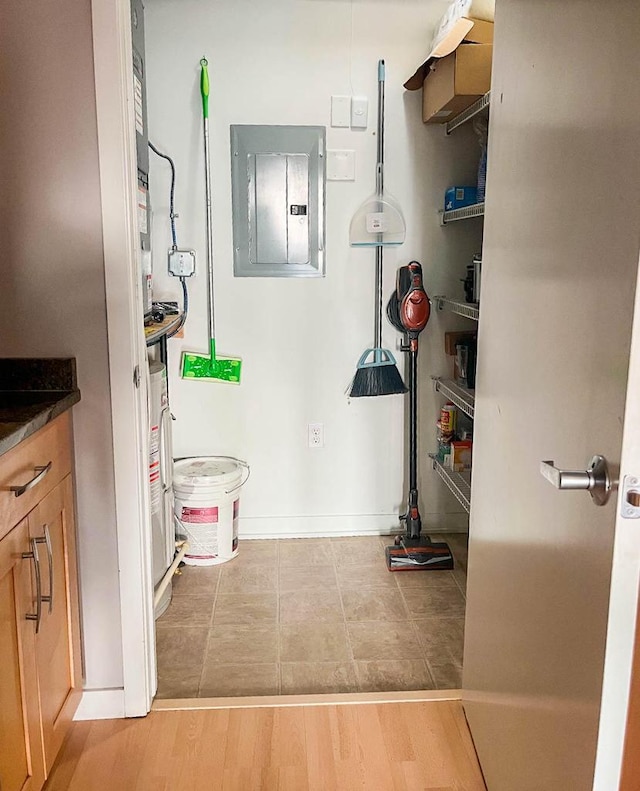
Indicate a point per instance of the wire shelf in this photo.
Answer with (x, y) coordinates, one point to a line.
(462, 397)
(466, 115)
(470, 310)
(459, 483)
(466, 213)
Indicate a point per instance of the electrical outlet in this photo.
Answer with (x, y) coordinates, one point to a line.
(182, 263)
(316, 435)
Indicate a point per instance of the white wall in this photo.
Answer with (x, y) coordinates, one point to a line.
(52, 274)
(279, 63)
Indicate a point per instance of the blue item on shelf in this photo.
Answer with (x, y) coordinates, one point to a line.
(459, 197)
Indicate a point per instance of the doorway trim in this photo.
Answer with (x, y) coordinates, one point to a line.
(320, 699)
(114, 108)
(112, 50)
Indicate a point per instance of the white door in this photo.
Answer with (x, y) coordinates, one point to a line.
(560, 266)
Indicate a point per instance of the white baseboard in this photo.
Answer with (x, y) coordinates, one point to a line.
(347, 525)
(101, 704)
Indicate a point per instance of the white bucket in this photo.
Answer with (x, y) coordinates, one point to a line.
(207, 506)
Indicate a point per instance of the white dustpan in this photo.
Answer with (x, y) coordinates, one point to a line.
(379, 221)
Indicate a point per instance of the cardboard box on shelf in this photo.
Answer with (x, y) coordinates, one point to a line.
(456, 82)
(460, 457)
(466, 30)
(457, 70)
(451, 338)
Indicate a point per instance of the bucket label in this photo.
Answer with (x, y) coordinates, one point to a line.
(200, 516)
(236, 515)
(203, 541)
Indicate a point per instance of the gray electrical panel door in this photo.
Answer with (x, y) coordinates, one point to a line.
(278, 178)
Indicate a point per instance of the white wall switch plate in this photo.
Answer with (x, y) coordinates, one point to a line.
(359, 112)
(341, 111)
(341, 165)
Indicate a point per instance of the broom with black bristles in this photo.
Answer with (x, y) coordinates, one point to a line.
(377, 374)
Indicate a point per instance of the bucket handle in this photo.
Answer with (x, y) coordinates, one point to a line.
(242, 483)
(232, 458)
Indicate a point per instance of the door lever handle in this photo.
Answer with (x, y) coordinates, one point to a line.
(595, 479)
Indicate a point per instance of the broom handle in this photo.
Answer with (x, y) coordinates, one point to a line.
(379, 188)
(380, 133)
(204, 91)
(378, 322)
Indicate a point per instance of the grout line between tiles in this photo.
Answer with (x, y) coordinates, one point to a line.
(344, 619)
(206, 645)
(430, 672)
(410, 614)
(416, 633)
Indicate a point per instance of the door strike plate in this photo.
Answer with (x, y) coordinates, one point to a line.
(630, 501)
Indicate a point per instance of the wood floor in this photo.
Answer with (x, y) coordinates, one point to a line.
(370, 747)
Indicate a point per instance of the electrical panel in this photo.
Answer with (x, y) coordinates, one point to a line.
(278, 179)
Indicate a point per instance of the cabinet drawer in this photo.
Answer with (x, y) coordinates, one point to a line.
(51, 445)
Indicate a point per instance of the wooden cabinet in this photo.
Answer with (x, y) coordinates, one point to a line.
(52, 526)
(21, 754)
(40, 662)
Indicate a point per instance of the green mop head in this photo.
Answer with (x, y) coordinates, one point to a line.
(211, 369)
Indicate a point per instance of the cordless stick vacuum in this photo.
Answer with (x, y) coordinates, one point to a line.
(408, 310)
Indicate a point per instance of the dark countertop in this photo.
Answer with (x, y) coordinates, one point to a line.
(32, 393)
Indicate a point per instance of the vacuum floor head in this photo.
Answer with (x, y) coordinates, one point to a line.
(422, 555)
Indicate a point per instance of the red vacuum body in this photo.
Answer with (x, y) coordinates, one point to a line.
(414, 307)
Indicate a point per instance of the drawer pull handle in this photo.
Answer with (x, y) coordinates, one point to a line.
(46, 539)
(40, 473)
(37, 615)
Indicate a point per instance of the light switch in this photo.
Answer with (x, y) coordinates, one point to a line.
(341, 111)
(341, 165)
(359, 112)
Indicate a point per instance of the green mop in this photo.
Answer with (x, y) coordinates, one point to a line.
(195, 366)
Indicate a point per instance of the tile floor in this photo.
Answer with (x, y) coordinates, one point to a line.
(297, 616)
